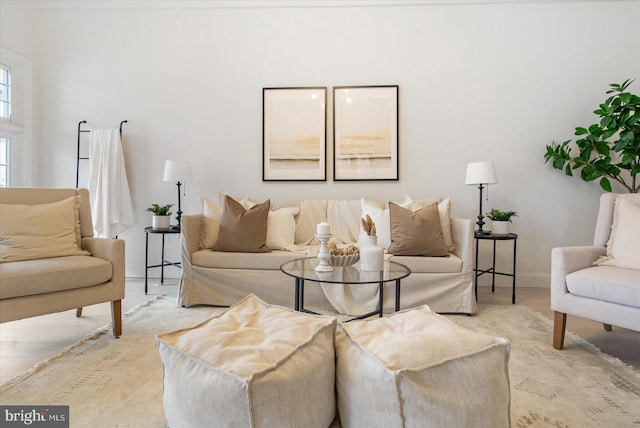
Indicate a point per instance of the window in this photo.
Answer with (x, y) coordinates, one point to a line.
(5, 92)
(4, 162)
(16, 160)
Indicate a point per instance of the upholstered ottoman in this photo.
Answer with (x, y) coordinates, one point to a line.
(254, 365)
(415, 368)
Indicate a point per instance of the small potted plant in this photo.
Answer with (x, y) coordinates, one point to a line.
(161, 216)
(500, 221)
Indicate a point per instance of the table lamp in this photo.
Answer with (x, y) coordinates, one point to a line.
(481, 173)
(180, 172)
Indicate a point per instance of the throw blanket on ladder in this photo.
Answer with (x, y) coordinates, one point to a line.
(111, 206)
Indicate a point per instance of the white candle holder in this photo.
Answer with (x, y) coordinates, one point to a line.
(323, 254)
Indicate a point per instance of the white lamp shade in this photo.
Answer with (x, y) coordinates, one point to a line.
(481, 173)
(178, 171)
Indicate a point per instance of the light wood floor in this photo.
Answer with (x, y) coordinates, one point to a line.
(27, 342)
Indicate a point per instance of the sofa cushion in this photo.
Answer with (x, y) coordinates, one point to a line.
(623, 248)
(606, 283)
(243, 230)
(421, 264)
(30, 277)
(416, 233)
(416, 368)
(249, 261)
(29, 232)
(254, 365)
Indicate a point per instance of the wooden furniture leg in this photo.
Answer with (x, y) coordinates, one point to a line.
(116, 317)
(559, 326)
(78, 312)
(607, 327)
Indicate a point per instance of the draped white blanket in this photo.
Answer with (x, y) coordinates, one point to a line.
(111, 206)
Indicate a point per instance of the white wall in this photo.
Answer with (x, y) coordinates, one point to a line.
(483, 81)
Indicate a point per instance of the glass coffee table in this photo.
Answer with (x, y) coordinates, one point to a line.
(304, 270)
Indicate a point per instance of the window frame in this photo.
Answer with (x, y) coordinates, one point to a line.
(18, 128)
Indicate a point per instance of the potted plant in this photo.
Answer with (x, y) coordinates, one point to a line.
(608, 150)
(161, 216)
(500, 221)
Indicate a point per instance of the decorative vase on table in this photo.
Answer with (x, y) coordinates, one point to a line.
(161, 222)
(371, 255)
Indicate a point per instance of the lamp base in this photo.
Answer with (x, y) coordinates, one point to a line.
(175, 227)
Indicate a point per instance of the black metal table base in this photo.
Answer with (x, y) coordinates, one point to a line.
(492, 270)
(299, 300)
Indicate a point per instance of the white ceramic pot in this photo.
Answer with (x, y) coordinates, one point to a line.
(500, 227)
(161, 222)
(371, 255)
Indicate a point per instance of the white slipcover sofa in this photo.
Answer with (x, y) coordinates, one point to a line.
(224, 278)
(601, 282)
(52, 265)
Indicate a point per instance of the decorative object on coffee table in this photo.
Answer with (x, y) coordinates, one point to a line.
(371, 255)
(323, 233)
(180, 172)
(339, 257)
(481, 173)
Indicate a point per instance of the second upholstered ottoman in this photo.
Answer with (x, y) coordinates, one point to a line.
(417, 369)
(254, 365)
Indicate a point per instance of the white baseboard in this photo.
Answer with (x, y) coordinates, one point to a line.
(536, 280)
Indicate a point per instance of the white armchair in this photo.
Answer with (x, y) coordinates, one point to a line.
(610, 293)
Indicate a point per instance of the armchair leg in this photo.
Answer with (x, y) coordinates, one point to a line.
(116, 317)
(607, 327)
(559, 326)
(78, 312)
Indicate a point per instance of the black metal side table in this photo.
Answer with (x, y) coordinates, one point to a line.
(492, 270)
(163, 262)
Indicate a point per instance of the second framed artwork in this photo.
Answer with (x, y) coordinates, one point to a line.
(294, 124)
(365, 133)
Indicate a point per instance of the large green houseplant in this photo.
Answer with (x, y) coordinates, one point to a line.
(608, 150)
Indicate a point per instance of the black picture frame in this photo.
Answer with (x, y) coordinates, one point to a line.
(294, 134)
(366, 133)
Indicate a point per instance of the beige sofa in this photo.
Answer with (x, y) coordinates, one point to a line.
(94, 273)
(224, 278)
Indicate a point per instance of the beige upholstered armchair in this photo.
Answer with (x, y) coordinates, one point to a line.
(601, 282)
(50, 261)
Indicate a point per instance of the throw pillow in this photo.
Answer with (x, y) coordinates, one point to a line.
(281, 228)
(416, 233)
(623, 248)
(243, 230)
(29, 232)
(380, 216)
(210, 223)
(444, 209)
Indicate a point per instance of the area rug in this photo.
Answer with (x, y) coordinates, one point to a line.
(111, 382)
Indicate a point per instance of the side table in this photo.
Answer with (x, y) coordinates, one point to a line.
(163, 262)
(492, 270)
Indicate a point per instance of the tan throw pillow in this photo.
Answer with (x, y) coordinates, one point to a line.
(243, 230)
(416, 233)
(29, 232)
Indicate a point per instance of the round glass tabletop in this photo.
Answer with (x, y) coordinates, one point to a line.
(304, 268)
